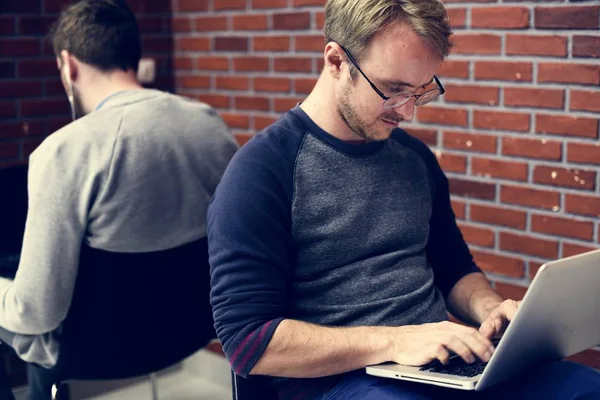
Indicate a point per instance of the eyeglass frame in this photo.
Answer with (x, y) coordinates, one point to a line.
(385, 98)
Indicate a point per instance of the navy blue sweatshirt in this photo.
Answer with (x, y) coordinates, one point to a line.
(307, 227)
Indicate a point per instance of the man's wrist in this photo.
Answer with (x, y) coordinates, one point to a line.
(485, 304)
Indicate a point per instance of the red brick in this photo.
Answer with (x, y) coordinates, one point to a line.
(320, 20)
(562, 227)
(586, 46)
(584, 205)
(509, 291)
(532, 148)
(7, 69)
(474, 189)
(18, 89)
(499, 169)
(286, 104)
(497, 264)
(567, 125)
(591, 358)
(156, 44)
(301, 3)
(250, 22)
(459, 209)
(291, 21)
(454, 69)
(231, 44)
(444, 116)
(153, 24)
(530, 45)
(232, 82)
(452, 162)
(184, 63)
(498, 216)
(470, 43)
(181, 25)
(251, 64)
(525, 196)
(213, 63)
(252, 103)
(565, 177)
(269, 3)
(470, 142)
(192, 5)
(242, 139)
(477, 236)
(272, 84)
(569, 73)
(457, 16)
(313, 43)
(271, 43)
(194, 82)
(229, 5)
(211, 24)
(293, 64)
(8, 26)
(585, 100)
(570, 249)
(192, 44)
(13, 129)
(528, 245)
(504, 71)
(261, 122)
(500, 17)
(215, 100)
(9, 150)
(427, 136)
(586, 17)
(35, 25)
(21, 6)
(42, 108)
(472, 94)
(501, 120)
(584, 153)
(320, 64)
(54, 87)
(534, 267)
(530, 97)
(304, 85)
(19, 47)
(236, 120)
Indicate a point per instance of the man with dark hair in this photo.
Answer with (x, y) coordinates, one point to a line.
(131, 176)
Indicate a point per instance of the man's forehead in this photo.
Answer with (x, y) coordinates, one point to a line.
(397, 82)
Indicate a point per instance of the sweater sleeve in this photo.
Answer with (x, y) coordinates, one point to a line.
(61, 181)
(251, 247)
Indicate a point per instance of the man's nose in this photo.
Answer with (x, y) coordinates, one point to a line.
(406, 110)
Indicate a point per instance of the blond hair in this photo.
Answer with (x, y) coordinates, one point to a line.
(354, 23)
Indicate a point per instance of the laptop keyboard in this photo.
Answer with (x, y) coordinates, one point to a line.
(456, 366)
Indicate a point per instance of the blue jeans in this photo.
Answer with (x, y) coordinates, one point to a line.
(560, 380)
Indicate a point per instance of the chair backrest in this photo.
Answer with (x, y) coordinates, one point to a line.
(135, 313)
(254, 387)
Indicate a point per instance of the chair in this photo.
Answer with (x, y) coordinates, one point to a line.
(134, 314)
(255, 387)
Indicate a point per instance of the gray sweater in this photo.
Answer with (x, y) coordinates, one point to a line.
(135, 175)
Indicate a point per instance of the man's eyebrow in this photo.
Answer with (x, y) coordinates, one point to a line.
(395, 83)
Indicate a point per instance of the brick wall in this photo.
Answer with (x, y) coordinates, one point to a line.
(517, 131)
(32, 100)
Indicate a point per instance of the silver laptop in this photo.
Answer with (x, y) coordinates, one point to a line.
(559, 317)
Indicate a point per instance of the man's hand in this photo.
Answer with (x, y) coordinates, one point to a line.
(497, 322)
(420, 344)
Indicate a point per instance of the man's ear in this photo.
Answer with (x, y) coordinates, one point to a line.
(334, 58)
(69, 63)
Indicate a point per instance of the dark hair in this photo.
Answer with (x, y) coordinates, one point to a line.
(102, 33)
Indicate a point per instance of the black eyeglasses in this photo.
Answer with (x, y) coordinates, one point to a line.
(400, 99)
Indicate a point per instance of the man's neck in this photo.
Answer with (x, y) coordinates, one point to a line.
(320, 106)
(107, 85)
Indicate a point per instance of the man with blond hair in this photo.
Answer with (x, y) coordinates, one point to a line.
(332, 241)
